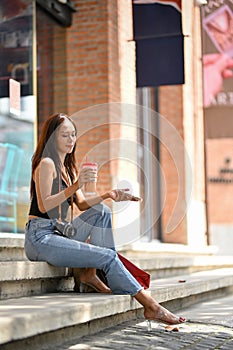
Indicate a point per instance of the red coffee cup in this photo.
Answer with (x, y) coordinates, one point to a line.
(90, 187)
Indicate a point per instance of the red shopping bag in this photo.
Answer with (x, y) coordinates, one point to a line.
(140, 275)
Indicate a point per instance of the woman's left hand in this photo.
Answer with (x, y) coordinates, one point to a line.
(122, 195)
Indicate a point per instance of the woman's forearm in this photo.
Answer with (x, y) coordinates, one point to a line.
(86, 204)
(57, 199)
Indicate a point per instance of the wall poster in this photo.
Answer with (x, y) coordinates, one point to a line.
(217, 29)
(217, 32)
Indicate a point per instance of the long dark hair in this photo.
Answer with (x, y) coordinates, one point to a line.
(47, 147)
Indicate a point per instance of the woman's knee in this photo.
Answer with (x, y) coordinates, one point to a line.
(110, 256)
(103, 209)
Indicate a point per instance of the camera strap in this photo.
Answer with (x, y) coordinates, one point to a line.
(71, 200)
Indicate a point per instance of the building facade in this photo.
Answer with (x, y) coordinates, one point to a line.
(87, 69)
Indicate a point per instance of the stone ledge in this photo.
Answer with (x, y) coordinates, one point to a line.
(155, 247)
(11, 240)
(25, 317)
(196, 283)
(22, 270)
(29, 316)
(173, 261)
(136, 249)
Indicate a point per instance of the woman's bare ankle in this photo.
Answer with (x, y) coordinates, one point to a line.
(161, 314)
(151, 310)
(87, 274)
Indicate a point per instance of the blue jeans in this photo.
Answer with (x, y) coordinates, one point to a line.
(41, 244)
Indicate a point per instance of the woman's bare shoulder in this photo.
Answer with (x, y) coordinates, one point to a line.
(47, 162)
(46, 166)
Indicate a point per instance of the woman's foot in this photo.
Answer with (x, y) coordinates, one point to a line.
(90, 278)
(160, 314)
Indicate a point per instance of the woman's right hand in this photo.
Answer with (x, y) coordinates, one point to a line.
(86, 175)
(121, 195)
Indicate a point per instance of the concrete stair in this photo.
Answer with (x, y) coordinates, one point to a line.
(20, 277)
(38, 306)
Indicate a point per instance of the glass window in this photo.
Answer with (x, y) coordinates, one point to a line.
(17, 127)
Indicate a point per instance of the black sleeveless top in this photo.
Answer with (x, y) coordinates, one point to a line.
(53, 213)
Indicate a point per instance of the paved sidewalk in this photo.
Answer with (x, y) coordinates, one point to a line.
(209, 327)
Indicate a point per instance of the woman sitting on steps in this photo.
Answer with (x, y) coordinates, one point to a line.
(54, 159)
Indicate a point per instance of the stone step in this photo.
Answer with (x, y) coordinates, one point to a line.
(19, 277)
(30, 322)
(140, 248)
(25, 278)
(171, 265)
(12, 247)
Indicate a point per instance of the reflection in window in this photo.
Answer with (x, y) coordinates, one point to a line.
(17, 130)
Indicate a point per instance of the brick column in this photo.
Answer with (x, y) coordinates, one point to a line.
(100, 70)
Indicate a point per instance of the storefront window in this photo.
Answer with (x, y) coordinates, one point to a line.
(17, 127)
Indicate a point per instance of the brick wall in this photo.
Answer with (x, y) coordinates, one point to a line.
(51, 67)
(82, 70)
(89, 41)
(93, 68)
(94, 71)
